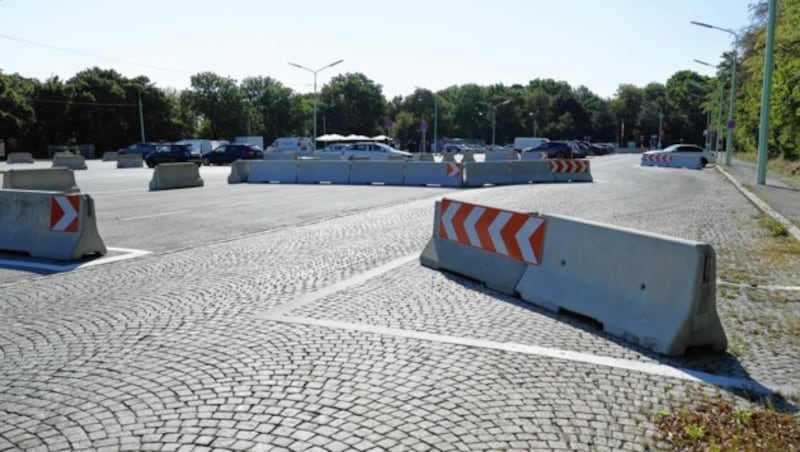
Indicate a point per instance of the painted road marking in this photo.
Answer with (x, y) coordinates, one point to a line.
(155, 215)
(23, 264)
(281, 314)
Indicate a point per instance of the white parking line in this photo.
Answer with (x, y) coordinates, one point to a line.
(155, 215)
(658, 370)
(282, 314)
(69, 266)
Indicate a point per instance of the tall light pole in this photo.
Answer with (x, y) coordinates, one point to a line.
(141, 117)
(535, 122)
(314, 138)
(493, 109)
(763, 129)
(435, 119)
(731, 124)
(718, 124)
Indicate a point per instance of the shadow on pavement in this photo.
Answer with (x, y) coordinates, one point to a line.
(722, 370)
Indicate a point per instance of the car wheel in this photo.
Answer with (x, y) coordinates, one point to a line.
(560, 155)
(206, 162)
(150, 165)
(703, 162)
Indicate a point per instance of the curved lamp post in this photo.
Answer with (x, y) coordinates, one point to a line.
(493, 108)
(729, 140)
(314, 138)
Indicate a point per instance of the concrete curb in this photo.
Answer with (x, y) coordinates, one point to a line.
(760, 204)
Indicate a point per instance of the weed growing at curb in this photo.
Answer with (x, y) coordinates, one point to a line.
(716, 425)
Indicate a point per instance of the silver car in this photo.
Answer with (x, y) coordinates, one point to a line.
(373, 151)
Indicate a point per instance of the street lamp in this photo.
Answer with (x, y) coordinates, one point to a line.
(721, 98)
(729, 140)
(314, 138)
(435, 120)
(493, 108)
(535, 122)
(766, 91)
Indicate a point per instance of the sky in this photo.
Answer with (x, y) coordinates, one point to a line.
(399, 45)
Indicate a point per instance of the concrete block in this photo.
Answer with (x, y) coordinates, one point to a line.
(176, 175)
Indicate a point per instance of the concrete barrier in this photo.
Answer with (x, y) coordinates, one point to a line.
(110, 156)
(666, 304)
(283, 171)
(527, 171)
(533, 155)
(447, 157)
(176, 175)
(672, 160)
(571, 170)
(494, 156)
(377, 172)
(49, 179)
(240, 169)
(314, 172)
(19, 157)
(478, 174)
(69, 160)
(49, 225)
(467, 157)
(329, 155)
(280, 155)
(424, 157)
(130, 161)
(444, 174)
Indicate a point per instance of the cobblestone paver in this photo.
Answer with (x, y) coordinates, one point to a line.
(171, 351)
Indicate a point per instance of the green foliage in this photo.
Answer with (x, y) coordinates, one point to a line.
(784, 111)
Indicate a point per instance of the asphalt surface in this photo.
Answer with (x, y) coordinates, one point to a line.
(300, 319)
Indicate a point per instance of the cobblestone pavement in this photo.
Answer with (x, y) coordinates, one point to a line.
(264, 342)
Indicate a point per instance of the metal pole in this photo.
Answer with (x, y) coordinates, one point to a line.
(494, 122)
(708, 129)
(535, 126)
(763, 129)
(141, 117)
(719, 115)
(314, 137)
(435, 123)
(729, 140)
(660, 128)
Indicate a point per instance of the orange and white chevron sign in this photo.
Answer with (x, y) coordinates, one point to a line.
(519, 236)
(453, 169)
(568, 166)
(660, 158)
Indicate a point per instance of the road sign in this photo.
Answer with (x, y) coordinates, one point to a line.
(515, 235)
(64, 213)
(731, 124)
(388, 123)
(423, 126)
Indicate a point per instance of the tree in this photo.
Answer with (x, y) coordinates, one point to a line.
(354, 104)
(220, 105)
(278, 110)
(16, 113)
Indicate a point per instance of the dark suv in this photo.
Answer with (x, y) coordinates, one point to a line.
(139, 148)
(228, 153)
(168, 153)
(555, 149)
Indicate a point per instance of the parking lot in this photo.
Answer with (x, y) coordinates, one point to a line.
(264, 316)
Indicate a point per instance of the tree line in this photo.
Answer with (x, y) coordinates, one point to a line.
(102, 107)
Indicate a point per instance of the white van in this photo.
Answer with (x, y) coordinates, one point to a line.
(521, 143)
(284, 144)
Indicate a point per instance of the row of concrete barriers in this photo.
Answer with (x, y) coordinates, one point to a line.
(445, 174)
(655, 291)
(673, 160)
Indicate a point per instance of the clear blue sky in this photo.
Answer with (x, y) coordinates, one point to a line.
(431, 44)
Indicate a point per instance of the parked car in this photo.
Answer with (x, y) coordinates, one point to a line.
(706, 157)
(555, 149)
(228, 153)
(172, 152)
(455, 148)
(139, 148)
(375, 151)
(337, 147)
